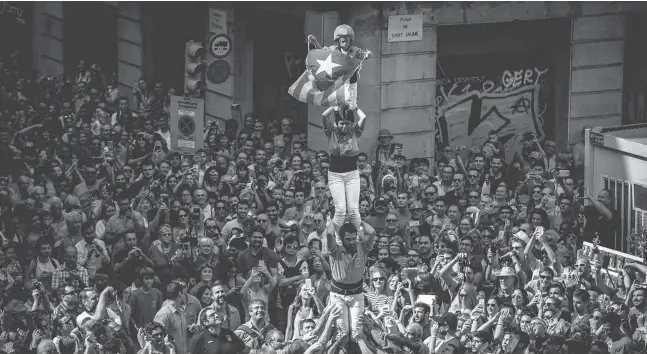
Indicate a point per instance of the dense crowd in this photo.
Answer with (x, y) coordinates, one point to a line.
(114, 243)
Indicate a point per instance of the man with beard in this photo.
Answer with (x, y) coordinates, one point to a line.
(68, 305)
(70, 272)
(257, 254)
(272, 211)
(443, 333)
(130, 260)
(347, 264)
(496, 175)
(241, 212)
(91, 252)
(216, 339)
(227, 312)
(254, 332)
(156, 339)
(420, 315)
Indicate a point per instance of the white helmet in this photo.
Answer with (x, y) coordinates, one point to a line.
(344, 30)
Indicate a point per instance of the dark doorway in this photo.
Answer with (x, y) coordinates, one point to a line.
(90, 32)
(279, 57)
(506, 77)
(171, 25)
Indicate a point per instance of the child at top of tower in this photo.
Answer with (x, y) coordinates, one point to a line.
(344, 38)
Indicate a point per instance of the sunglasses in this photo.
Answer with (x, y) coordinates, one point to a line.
(392, 220)
(545, 277)
(378, 279)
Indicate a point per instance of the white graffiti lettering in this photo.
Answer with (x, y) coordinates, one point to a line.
(517, 78)
(466, 110)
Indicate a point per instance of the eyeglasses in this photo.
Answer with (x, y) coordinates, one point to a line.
(536, 192)
(220, 208)
(473, 197)
(579, 266)
(183, 215)
(290, 247)
(318, 221)
(462, 295)
(378, 279)
(391, 220)
(458, 180)
(492, 305)
(545, 276)
(472, 176)
(262, 220)
(466, 244)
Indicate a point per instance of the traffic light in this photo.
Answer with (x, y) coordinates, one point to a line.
(194, 69)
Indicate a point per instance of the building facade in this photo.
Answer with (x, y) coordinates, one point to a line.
(550, 68)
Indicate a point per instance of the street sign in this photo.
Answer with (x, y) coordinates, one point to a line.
(218, 71)
(220, 46)
(187, 124)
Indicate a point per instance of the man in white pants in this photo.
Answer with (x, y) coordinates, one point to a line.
(347, 262)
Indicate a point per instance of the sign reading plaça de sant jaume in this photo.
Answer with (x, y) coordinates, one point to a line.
(405, 28)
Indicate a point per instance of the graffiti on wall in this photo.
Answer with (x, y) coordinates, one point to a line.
(467, 108)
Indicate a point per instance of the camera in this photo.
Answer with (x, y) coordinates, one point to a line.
(39, 286)
(196, 210)
(507, 259)
(405, 283)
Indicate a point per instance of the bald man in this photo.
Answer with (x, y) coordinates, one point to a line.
(411, 339)
(46, 346)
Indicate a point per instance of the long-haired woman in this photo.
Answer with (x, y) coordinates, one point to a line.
(306, 305)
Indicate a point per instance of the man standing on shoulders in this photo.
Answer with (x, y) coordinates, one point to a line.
(347, 264)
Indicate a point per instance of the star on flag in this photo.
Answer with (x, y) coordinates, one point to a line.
(326, 65)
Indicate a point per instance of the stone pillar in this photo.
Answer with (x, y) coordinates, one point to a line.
(597, 56)
(48, 38)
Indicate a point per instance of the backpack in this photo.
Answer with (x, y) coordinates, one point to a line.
(257, 341)
(289, 292)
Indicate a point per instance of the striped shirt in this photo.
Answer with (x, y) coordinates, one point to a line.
(378, 301)
(348, 268)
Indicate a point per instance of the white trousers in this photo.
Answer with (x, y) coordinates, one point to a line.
(344, 189)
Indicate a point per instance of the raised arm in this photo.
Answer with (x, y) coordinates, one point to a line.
(362, 118)
(326, 122)
(369, 235)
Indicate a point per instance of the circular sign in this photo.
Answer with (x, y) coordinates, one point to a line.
(218, 71)
(220, 45)
(186, 126)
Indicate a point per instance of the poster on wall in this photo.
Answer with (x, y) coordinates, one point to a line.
(187, 124)
(508, 94)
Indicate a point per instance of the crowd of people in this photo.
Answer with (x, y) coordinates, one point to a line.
(112, 242)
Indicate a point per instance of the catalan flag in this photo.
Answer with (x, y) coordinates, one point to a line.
(324, 81)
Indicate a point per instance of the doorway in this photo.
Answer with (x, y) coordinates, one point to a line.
(90, 32)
